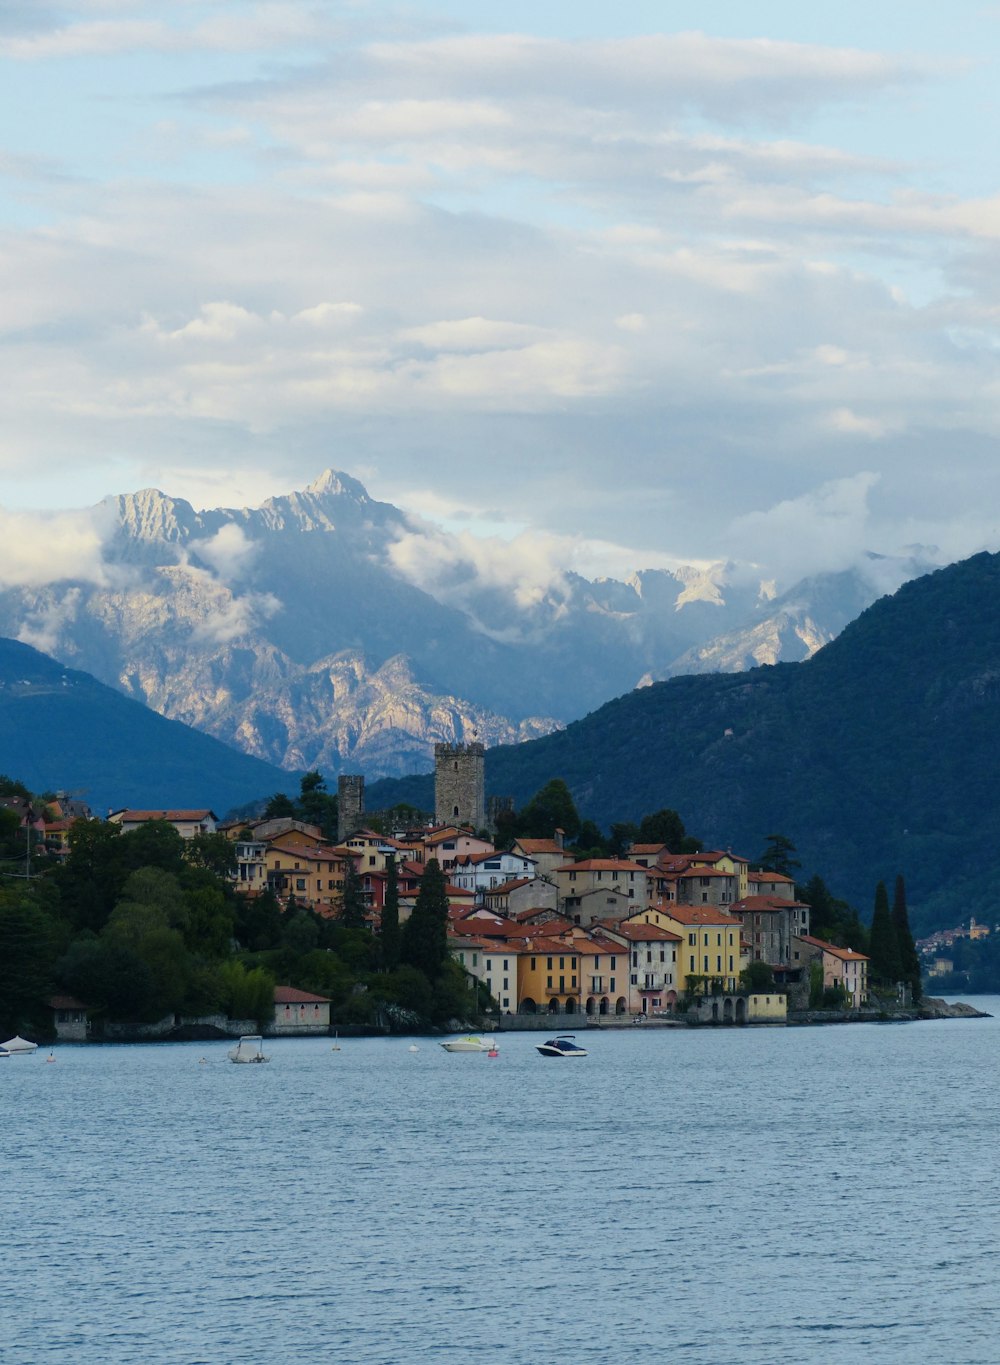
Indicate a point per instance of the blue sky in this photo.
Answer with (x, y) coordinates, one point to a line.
(644, 282)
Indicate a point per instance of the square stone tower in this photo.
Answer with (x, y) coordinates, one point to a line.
(350, 805)
(460, 785)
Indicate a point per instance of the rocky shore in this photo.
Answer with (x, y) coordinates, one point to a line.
(886, 1013)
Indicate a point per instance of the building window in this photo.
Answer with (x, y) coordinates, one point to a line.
(634, 979)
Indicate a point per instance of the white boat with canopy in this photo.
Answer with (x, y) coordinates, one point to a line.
(17, 1044)
(250, 1048)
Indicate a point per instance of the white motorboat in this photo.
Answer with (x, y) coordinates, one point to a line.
(250, 1048)
(470, 1043)
(563, 1046)
(18, 1045)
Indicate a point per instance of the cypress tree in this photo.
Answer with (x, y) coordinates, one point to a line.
(389, 937)
(908, 957)
(885, 964)
(352, 914)
(425, 933)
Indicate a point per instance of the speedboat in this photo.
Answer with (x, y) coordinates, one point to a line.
(563, 1046)
(250, 1048)
(470, 1043)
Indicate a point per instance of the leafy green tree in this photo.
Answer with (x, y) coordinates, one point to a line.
(909, 959)
(301, 933)
(666, 827)
(389, 933)
(280, 807)
(757, 977)
(425, 933)
(315, 804)
(622, 835)
(26, 962)
(214, 852)
(247, 993)
(109, 978)
(551, 808)
(590, 841)
(778, 856)
(352, 913)
(815, 985)
(885, 963)
(258, 921)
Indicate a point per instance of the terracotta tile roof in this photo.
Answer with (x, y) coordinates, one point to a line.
(65, 1002)
(603, 865)
(770, 877)
(140, 816)
(289, 995)
(539, 846)
(845, 954)
(700, 914)
(506, 887)
(764, 904)
(642, 933)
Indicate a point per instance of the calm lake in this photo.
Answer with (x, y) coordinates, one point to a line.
(823, 1194)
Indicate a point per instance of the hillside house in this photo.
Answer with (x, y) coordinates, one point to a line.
(187, 823)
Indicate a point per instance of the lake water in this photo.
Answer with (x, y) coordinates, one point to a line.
(825, 1194)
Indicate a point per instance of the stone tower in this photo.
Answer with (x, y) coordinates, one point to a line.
(350, 805)
(460, 784)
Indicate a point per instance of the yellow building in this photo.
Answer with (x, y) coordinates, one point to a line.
(710, 940)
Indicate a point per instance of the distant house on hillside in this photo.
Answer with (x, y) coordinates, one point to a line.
(187, 823)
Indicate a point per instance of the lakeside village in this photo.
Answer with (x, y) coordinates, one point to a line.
(519, 932)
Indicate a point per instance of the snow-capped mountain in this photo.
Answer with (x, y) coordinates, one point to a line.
(302, 633)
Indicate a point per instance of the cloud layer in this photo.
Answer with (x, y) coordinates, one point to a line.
(646, 291)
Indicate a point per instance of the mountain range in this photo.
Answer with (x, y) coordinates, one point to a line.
(61, 729)
(876, 756)
(325, 629)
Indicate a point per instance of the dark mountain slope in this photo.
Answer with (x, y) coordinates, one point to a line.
(878, 755)
(61, 729)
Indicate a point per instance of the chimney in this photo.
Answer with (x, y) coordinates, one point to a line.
(559, 836)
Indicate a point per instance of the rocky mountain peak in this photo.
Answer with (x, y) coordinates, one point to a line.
(150, 515)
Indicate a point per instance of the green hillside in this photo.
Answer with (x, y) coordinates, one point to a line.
(879, 755)
(61, 729)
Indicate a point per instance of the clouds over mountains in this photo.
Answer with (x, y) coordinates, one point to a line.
(642, 290)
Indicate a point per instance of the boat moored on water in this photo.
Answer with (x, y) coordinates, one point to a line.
(563, 1046)
(470, 1043)
(250, 1048)
(18, 1046)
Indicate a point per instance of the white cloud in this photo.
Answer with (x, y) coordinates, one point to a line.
(825, 530)
(229, 553)
(40, 547)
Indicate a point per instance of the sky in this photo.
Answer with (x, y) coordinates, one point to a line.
(640, 283)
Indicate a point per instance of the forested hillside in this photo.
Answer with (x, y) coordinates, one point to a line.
(876, 756)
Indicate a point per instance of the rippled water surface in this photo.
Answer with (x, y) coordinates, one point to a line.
(823, 1194)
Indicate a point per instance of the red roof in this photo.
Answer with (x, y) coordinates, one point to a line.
(288, 995)
(845, 954)
(603, 865)
(138, 816)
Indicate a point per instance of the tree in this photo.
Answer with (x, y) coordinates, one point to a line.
(389, 935)
(549, 809)
(315, 805)
(214, 852)
(757, 977)
(352, 913)
(885, 964)
(280, 807)
(777, 856)
(666, 827)
(909, 959)
(25, 962)
(425, 933)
